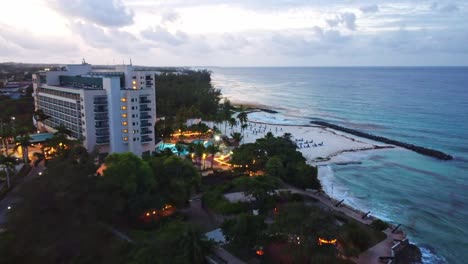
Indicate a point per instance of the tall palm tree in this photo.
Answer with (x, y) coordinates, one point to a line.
(6, 131)
(212, 149)
(243, 118)
(232, 122)
(23, 142)
(226, 113)
(199, 151)
(8, 163)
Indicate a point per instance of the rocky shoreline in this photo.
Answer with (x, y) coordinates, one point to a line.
(421, 150)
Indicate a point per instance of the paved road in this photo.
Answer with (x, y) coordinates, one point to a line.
(12, 197)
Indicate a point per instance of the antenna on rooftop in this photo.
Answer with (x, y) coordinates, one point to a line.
(130, 61)
(83, 61)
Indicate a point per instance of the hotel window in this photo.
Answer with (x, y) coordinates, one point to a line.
(124, 130)
(134, 82)
(125, 138)
(124, 123)
(133, 108)
(123, 107)
(124, 115)
(123, 99)
(132, 100)
(134, 131)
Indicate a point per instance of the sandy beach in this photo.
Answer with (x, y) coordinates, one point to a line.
(319, 145)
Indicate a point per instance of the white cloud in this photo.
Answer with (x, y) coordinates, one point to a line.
(170, 16)
(235, 32)
(27, 40)
(163, 36)
(444, 8)
(347, 19)
(370, 9)
(108, 38)
(109, 13)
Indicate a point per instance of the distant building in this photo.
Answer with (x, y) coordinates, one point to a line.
(113, 110)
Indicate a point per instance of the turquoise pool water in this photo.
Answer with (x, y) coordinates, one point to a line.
(172, 147)
(205, 143)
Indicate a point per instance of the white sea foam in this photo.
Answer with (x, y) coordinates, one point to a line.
(429, 257)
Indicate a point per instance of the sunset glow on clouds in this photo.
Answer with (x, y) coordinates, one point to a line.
(235, 33)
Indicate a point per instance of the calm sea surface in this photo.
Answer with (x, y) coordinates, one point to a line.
(423, 106)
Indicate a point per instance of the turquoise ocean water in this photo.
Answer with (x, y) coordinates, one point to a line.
(423, 106)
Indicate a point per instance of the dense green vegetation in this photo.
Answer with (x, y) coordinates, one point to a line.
(277, 157)
(78, 217)
(188, 95)
(21, 109)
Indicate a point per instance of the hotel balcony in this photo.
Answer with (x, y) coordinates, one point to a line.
(144, 101)
(146, 139)
(144, 108)
(146, 131)
(146, 124)
(145, 116)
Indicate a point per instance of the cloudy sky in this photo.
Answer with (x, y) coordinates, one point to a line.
(236, 33)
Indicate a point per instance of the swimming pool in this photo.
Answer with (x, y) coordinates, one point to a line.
(205, 143)
(171, 146)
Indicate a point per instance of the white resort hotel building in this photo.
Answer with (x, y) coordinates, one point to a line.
(112, 109)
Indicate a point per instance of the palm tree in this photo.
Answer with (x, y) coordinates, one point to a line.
(212, 149)
(232, 122)
(237, 137)
(40, 116)
(243, 118)
(179, 148)
(193, 245)
(23, 141)
(199, 151)
(62, 131)
(6, 132)
(8, 167)
(226, 113)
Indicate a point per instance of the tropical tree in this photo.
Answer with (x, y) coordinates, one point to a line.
(199, 151)
(6, 132)
(23, 141)
(177, 178)
(180, 148)
(176, 242)
(260, 187)
(212, 149)
(40, 116)
(226, 112)
(62, 131)
(232, 122)
(128, 182)
(243, 118)
(237, 137)
(8, 164)
(245, 230)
